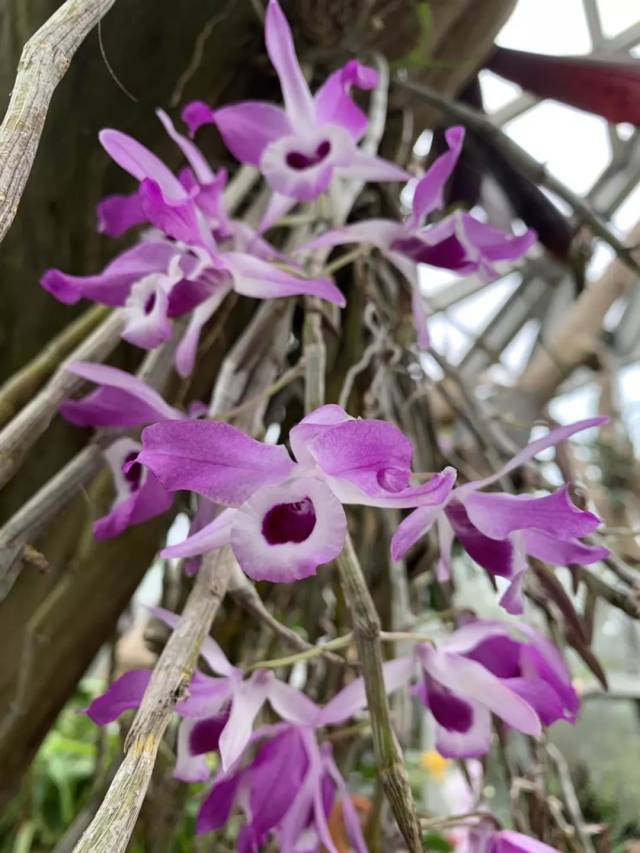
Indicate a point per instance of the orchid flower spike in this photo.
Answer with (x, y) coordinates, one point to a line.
(489, 667)
(194, 256)
(499, 531)
(283, 518)
(299, 148)
(458, 242)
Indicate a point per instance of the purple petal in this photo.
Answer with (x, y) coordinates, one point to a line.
(295, 91)
(302, 167)
(248, 697)
(207, 696)
(495, 555)
(213, 459)
(112, 285)
(257, 278)
(126, 692)
(353, 698)
(134, 158)
(196, 114)
(216, 808)
(507, 841)
(122, 399)
(553, 437)
(378, 232)
(197, 161)
(208, 538)
(429, 192)
(333, 101)
(473, 742)
(560, 552)
(283, 533)
(513, 597)
(190, 766)
(416, 525)
(176, 219)
(494, 244)
(292, 705)
(497, 515)
(369, 168)
(147, 324)
(471, 681)
(279, 206)
(187, 349)
(249, 127)
(118, 213)
(320, 419)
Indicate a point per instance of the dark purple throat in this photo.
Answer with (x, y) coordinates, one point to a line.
(133, 473)
(289, 522)
(300, 161)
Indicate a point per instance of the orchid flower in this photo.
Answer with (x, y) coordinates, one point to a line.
(219, 712)
(299, 148)
(122, 400)
(284, 518)
(459, 242)
(192, 260)
(499, 531)
(287, 792)
(487, 839)
(489, 667)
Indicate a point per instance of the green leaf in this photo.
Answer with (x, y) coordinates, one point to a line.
(435, 841)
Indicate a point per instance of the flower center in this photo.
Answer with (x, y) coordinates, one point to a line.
(150, 303)
(447, 254)
(133, 474)
(289, 522)
(299, 160)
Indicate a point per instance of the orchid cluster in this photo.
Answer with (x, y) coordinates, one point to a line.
(280, 508)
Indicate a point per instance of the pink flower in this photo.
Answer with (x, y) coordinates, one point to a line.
(301, 147)
(285, 518)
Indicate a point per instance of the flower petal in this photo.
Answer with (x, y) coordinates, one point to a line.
(257, 278)
(473, 742)
(126, 692)
(333, 101)
(213, 459)
(560, 552)
(299, 544)
(248, 697)
(507, 841)
(118, 213)
(196, 114)
(292, 705)
(295, 91)
(141, 163)
(495, 555)
(189, 767)
(121, 400)
(378, 232)
(197, 161)
(366, 167)
(216, 808)
(210, 650)
(249, 127)
(147, 324)
(208, 538)
(429, 191)
(187, 349)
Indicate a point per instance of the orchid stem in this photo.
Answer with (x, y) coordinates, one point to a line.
(345, 260)
(315, 651)
(367, 634)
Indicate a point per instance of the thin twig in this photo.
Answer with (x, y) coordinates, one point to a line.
(366, 630)
(524, 162)
(43, 63)
(114, 822)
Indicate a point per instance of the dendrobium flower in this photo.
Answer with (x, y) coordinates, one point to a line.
(299, 148)
(285, 518)
(499, 531)
(191, 260)
(287, 792)
(458, 242)
(122, 400)
(491, 667)
(487, 839)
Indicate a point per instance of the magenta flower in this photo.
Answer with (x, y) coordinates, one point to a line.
(194, 257)
(487, 839)
(287, 792)
(122, 401)
(299, 148)
(285, 518)
(485, 668)
(500, 530)
(459, 242)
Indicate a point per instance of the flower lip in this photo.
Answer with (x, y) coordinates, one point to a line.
(300, 160)
(132, 470)
(289, 522)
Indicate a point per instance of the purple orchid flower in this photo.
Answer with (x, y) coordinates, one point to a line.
(485, 838)
(299, 148)
(192, 260)
(285, 518)
(459, 242)
(122, 400)
(287, 792)
(489, 667)
(499, 531)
